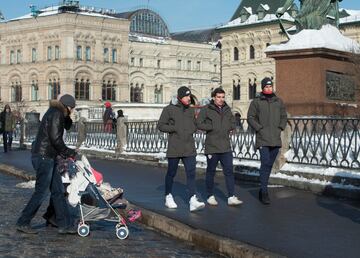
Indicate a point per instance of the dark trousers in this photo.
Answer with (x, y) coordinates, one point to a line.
(190, 168)
(226, 160)
(267, 158)
(7, 140)
(46, 178)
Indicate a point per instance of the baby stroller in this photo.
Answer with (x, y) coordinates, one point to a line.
(96, 200)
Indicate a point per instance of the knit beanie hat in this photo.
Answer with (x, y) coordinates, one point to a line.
(107, 104)
(68, 101)
(266, 81)
(183, 91)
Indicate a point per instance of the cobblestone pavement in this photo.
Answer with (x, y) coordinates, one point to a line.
(102, 242)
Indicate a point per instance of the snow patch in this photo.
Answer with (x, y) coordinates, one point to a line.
(327, 37)
(28, 185)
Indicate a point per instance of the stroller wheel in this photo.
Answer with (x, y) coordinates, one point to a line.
(122, 232)
(83, 230)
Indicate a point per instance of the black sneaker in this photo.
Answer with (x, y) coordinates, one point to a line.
(26, 229)
(69, 230)
(264, 198)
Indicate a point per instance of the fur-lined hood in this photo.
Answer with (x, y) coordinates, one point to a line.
(57, 104)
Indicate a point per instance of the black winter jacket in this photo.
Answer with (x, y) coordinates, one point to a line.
(217, 125)
(49, 139)
(179, 122)
(267, 116)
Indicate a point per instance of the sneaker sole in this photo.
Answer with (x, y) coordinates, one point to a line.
(198, 208)
(234, 204)
(212, 204)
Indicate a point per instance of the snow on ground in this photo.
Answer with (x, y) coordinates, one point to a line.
(28, 184)
(313, 181)
(326, 171)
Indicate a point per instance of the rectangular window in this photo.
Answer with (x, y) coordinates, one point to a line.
(12, 57)
(158, 63)
(33, 55)
(79, 52)
(141, 62)
(179, 64)
(132, 61)
(18, 56)
(57, 52)
(189, 64)
(49, 53)
(215, 68)
(114, 56)
(106, 55)
(88, 53)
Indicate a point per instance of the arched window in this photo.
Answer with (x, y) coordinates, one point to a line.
(158, 94)
(252, 89)
(34, 90)
(109, 90)
(79, 52)
(16, 91)
(54, 88)
(236, 90)
(82, 89)
(136, 93)
(149, 23)
(236, 54)
(57, 52)
(252, 52)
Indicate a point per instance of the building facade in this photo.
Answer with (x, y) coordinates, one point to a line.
(253, 27)
(99, 56)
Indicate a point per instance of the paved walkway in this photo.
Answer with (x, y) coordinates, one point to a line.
(102, 242)
(296, 224)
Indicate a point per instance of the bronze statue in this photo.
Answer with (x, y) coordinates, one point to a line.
(314, 13)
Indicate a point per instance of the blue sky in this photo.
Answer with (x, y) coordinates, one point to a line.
(179, 14)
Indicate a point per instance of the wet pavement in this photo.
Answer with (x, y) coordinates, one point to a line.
(296, 224)
(102, 242)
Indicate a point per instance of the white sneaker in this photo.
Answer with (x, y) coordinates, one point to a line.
(169, 201)
(233, 200)
(212, 201)
(195, 204)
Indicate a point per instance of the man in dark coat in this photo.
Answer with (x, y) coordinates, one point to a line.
(267, 116)
(217, 120)
(178, 120)
(48, 144)
(7, 120)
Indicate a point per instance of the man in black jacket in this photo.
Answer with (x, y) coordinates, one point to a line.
(49, 144)
(267, 116)
(178, 120)
(217, 120)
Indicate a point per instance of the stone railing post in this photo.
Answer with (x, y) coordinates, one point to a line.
(83, 111)
(120, 134)
(285, 139)
(81, 137)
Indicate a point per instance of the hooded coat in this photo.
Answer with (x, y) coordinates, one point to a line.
(49, 139)
(179, 122)
(267, 116)
(217, 123)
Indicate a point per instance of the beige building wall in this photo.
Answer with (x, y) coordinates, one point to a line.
(169, 64)
(56, 39)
